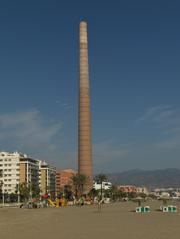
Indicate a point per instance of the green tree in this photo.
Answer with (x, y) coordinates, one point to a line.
(75, 184)
(132, 195)
(13, 197)
(82, 182)
(122, 194)
(100, 178)
(79, 181)
(114, 193)
(143, 195)
(68, 194)
(35, 191)
(24, 191)
(93, 193)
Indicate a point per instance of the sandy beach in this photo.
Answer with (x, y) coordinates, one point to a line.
(114, 221)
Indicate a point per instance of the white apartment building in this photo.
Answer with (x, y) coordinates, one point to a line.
(10, 171)
(17, 168)
(47, 179)
(29, 171)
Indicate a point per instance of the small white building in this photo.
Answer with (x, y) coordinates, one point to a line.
(105, 185)
(142, 190)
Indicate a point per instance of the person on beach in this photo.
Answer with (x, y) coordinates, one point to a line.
(100, 202)
(82, 201)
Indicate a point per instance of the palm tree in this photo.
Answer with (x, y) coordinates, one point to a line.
(100, 178)
(93, 193)
(35, 191)
(68, 194)
(79, 181)
(82, 182)
(24, 190)
(75, 184)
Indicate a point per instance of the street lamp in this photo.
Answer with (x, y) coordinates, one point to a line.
(2, 185)
(30, 183)
(3, 193)
(18, 194)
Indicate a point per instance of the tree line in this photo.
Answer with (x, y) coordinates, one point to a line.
(26, 192)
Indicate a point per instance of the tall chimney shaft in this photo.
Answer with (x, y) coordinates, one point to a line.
(84, 118)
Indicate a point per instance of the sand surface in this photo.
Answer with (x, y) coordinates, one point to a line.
(115, 221)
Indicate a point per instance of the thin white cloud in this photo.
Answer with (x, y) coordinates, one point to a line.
(154, 112)
(163, 116)
(27, 128)
(105, 152)
(64, 105)
(167, 119)
(171, 143)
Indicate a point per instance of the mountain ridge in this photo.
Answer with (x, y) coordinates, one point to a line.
(169, 177)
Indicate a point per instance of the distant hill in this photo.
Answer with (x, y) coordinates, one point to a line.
(149, 178)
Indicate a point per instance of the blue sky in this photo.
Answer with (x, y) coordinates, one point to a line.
(134, 56)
